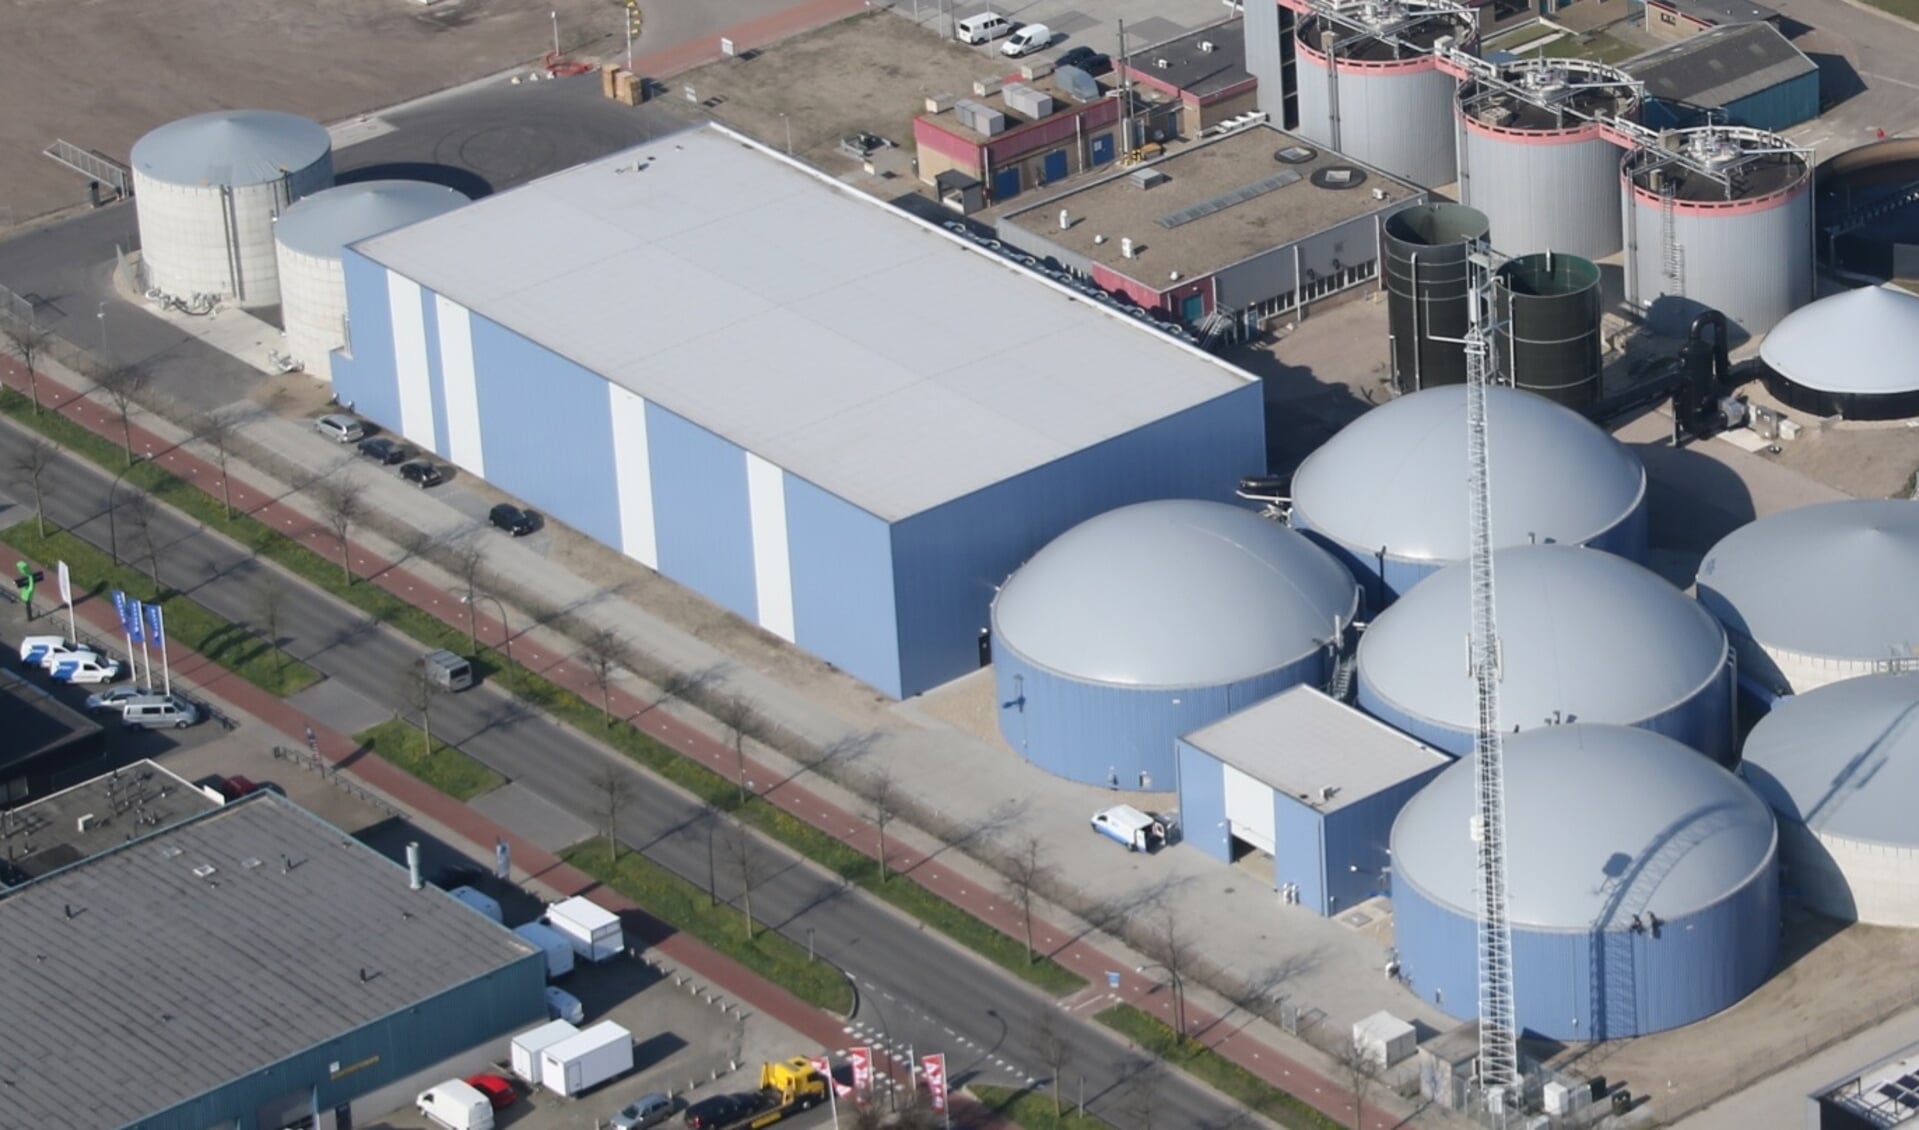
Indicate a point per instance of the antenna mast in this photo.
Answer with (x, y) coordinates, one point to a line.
(1498, 1031)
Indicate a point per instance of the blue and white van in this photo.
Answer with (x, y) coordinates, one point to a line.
(1139, 831)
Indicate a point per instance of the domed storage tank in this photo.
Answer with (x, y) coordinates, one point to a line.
(1429, 291)
(1849, 355)
(1641, 879)
(1391, 105)
(1388, 493)
(1818, 594)
(1840, 767)
(1151, 621)
(1584, 637)
(1536, 164)
(1738, 205)
(206, 190)
(1547, 328)
(308, 240)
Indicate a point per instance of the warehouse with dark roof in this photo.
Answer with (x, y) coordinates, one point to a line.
(1746, 74)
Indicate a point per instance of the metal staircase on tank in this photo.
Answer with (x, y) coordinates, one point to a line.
(1340, 686)
(1675, 257)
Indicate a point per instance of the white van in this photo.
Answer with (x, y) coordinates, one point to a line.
(159, 711)
(1026, 40)
(562, 1005)
(1136, 829)
(983, 28)
(41, 651)
(456, 1106)
(84, 667)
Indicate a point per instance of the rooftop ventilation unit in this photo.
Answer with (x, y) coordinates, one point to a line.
(1149, 178)
(1162, 62)
(1206, 45)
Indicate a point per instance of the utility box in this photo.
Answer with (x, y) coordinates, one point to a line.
(1023, 99)
(1561, 1099)
(1385, 1039)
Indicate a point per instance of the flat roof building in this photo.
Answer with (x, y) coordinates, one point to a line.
(1249, 225)
(1677, 19)
(1013, 134)
(249, 966)
(840, 422)
(95, 816)
(1204, 70)
(47, 742)
(1875, 1097)
(1746, 74)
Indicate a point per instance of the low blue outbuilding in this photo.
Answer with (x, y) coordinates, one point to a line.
(1743, 74)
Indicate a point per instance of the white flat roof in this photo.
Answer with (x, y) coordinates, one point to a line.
(869, 352)
(1300, 741)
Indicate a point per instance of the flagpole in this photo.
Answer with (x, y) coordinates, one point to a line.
(833, 1097)
(66, 594)
(158, 625)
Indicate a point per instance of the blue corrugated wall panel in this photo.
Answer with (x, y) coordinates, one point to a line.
(841, 559)
(1202, 803)
(397, 1046)
(1779, 107)
(1703, 721)
(1106, 735)
(1579, 985)
(700, 511)
(1357, 835)
(1299, 851)
(536, 406)
(949, 561)
(369, 378)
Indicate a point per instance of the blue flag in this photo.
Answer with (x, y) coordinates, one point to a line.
(120, 609)
(136, 628)
(155, 626)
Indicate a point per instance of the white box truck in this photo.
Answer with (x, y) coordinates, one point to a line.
(558, 951)
(580, 1063)
(593, 930)
(528, 1045)
(479, 901)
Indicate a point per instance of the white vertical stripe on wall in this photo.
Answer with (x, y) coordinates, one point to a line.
(409, 360)
(772, 568)
(462, 391)
(633, 476)
(1249, 808)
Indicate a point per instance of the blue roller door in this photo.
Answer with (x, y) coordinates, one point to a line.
(1055, 167)
(1102, 148)
(1006, 183)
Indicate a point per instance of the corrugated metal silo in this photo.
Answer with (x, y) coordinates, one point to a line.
(1534, 161)
(1391, 105)
(206, 190)
(1840, 767)
(1642, 885)
(1547, 329)
(1719, 218)
(309, 238)
(1848, 355)
(1819, 594)
(1151, 621)
(1388, 493)
(1429, 290)
(1584, 637)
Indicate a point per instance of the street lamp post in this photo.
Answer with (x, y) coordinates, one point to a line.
(788, 122)
(1179, 993)
(113, 529)
(506, 633)
(556, 34)
(101, 314)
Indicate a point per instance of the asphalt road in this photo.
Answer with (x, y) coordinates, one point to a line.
(915, 988)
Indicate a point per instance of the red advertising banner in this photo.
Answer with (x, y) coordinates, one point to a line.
(862, 1061)
(934, 1068)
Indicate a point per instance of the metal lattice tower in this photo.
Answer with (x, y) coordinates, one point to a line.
(1498, 1030)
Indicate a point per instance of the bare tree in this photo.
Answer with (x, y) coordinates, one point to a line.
(604, 653)
(467, 560)
(31, 464)
(737, 713)
(122, 385)
(28, 343)
(342, 505)
(270, 598)
(1143, 1085)
(422, 689)
(746, 858)
(145, 512)
(1051, 1049)
(883, 800)
(710, 816)
(1172, 950)
(1025, 868)
(615, 787)
(1359, 1068)
(217, 431)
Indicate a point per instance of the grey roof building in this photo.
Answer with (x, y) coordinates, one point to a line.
(249, 964)
(46, 740)
(1748, 73)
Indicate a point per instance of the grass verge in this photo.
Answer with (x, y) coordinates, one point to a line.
(713, 788)
(1904, 9)
(686, 907)
(448, 769)
(1031, 1110)
(228, 644)
(1598, 47)
(1216, 1070)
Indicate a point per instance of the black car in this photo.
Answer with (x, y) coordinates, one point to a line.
(422, 475)
(716, 1111)
(512, 519)
(1086, 59)
(385, 452)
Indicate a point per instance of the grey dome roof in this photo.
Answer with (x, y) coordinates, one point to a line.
(1834, 579)
(230, 147)
(1173, 594)
(325, 222)
(1396, 477)
(1583, 632)
(1585, 806)
(1859, 342)
(1844, 759)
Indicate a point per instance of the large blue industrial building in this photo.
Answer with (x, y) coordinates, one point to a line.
(839, 422)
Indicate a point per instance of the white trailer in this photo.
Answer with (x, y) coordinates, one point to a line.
(558, 950)
(583, 1062)
(528, 1045)
(480, 901)
(593, 930)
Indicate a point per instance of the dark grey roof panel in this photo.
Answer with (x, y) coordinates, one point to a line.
(1720, 65)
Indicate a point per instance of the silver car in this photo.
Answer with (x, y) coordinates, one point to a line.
(340, 428)
(645, 1111)
(115, 698)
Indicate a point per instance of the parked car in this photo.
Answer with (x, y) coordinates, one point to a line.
(235, 787)
(456, 1106)
(84, 668)
(157, 711)
(982, 27)
(1025, 41)
(422, 474)
(562, 1005)
(115, 698)
(498, 1089)
(1086, 59)
(645, 1111)
(512, 519)
(720, 1110)
(39, 651)
(340, 428)
(385, 452)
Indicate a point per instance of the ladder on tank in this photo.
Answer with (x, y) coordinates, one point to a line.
(1675, 257)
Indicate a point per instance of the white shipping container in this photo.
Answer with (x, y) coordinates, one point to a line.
(583, 1062)
(528, 1045)
(558, 950)
(593, 930)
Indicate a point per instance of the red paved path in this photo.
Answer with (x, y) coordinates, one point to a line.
(1076, 954)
